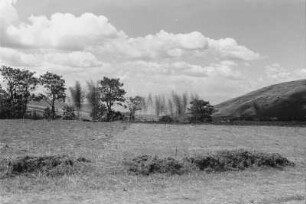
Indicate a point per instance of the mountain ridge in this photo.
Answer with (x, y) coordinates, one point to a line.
(284, 101)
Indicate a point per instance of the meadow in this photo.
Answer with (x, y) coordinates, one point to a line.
(109, 145)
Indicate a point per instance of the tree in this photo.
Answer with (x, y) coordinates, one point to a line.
(98, 110)
(111, 93)
(55, 89)
(134, 104)
(4, 106)
(201, 111)
(20, 84)
(159, 105)
(180, 103)
(170, 107)
(77, 97)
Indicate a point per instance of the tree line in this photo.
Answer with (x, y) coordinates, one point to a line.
(22, 86)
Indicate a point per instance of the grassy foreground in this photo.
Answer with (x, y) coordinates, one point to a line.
(108, 145)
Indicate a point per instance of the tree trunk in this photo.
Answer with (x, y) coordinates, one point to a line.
(53, 109)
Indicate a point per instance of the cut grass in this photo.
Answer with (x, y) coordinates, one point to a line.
(108, 144)
(146, 165)
(228, 160)
(57, 165)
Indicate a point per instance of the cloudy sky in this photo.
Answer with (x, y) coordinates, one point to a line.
(216, 48)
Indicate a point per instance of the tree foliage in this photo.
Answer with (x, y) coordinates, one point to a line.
(19, 85)
(180, 103)
(134, 104)
(68, 113)
(201, 111)
(160, 105)
(77, 96)
(55, 89)
(111, 93)
(97, 110)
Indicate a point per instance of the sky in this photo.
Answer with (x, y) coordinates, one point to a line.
(218, 49)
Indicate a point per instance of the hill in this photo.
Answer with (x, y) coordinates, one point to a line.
(285, 101)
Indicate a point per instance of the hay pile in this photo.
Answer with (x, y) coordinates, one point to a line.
(58, 165)
(238, 160)
(228, 160)
(146, 165)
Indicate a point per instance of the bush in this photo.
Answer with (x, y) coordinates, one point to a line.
(68, 113)
(114, 115)
(166, 119)
(98, 112)
(33, 115)
(47, 113)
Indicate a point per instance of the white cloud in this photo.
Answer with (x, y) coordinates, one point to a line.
(72, 60)
(97, 34)
(63, 31)
(8, 13)
(276, 73)
(229, 48)
(88, 46)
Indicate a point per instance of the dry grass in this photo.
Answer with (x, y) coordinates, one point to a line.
(106, 145)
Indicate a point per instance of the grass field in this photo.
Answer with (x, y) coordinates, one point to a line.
(108, 145)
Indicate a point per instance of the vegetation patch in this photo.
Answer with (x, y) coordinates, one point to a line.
(228, 160)
(58, 165)
(146, 165)
(238, 160)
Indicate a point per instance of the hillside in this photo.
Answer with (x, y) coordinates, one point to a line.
(285, 101)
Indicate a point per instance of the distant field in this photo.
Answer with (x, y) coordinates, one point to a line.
(107, 145)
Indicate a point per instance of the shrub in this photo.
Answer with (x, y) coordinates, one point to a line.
(114, 115)
(166, 119)
(33, 115)
(68, 113)
(47, 113)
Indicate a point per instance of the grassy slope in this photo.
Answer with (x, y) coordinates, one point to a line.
(286, 101)
(107, 144)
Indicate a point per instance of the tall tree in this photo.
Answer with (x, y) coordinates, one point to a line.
(77, 97)
(97, 109)
(159, 104)
(111, 93)
(19, 85)
(170, 107)
(55, 89)
(180, 103)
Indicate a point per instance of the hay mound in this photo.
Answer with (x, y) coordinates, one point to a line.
(239, 160)
(58, 165)
(146, 165)
(232, 160)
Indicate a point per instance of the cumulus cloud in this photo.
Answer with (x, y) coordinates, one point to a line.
(95, 33)
(75, 59)
(88, 47)
(8, 13)
(63, 31)
(229, 48)
(276, 73)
